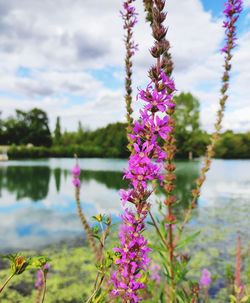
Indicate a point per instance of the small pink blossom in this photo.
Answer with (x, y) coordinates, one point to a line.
(155, 273)
(206, 278)
(76, 182)
(76, 171)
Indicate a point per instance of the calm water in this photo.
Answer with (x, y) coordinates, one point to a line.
(37, 204)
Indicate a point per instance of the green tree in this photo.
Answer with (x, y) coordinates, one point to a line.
(12, 131)
(190, 138)
(57, 132)
(233, 146)
(38, 128)
(28, 127)
(2, 135)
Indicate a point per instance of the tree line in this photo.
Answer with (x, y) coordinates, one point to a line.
(32, 128)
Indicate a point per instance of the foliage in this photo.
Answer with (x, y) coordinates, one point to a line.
(111, 141)
(233, 146)
(26, 128)
(57, 132)
(71, 269)
(188, 133)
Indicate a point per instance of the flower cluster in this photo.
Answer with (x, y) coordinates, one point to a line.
(129, 17)
(155, 273)
(206, 278)
(40, 275)
(232, 11)
(145, 164)
(132, 256)
(76, 171)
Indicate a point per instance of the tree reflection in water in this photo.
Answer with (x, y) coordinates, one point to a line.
(33, 181)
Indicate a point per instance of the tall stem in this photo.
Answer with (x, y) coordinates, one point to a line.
(6, 282)
(160, 51)
(158, 230)
(130, 19)
(39, 294)
(238, 271)
(44, 287)
(232, 13)
(85, 225)
(171, 256)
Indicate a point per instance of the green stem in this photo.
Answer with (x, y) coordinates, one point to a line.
(6, 282)
(158, 230)
(39, 294)
(86, 225)
(96, 289)
(44, 287)
(171, 257)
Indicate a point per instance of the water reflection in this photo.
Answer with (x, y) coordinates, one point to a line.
(112, 180)
(37, 201)
(33, 181)
(37, 197)
(57, 176)
(186, 174)
(26, 182)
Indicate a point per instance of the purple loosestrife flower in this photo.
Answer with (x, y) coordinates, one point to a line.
(155, 273)
(206, 278)
(144, 165)
(39, 279)
(133, 257)
(160, 126)
(129, 14)
(232, 10)
(76, 171)
(39, 276)
(129, 17)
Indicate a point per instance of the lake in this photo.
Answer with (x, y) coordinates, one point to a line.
(37, 205)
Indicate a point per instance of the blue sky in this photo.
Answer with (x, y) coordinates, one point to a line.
(216, 6)
(74, 69)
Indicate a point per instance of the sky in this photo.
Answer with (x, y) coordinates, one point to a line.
(66, 57)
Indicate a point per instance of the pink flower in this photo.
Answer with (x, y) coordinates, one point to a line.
(133, 257)
(206, 278)
(155, 273)
(76, 171)
(76, 182)
(39, 275)
(39, 279)
(232, 10)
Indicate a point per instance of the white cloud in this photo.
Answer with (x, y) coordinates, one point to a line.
(61, 46)
(246, 3)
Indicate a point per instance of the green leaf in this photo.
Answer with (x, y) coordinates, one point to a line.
(38, 262)
(99, 218)
(187, 240)
(232, 299)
